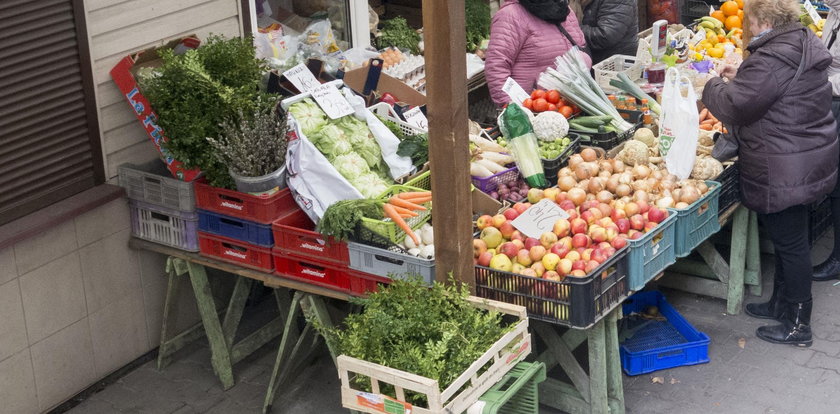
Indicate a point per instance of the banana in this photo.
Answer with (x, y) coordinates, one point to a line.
(715, 22)
(821, 24)
(707, 25)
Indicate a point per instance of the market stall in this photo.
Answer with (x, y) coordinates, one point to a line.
(586, 190)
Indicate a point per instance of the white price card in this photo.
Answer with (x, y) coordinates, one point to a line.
(812, 11)
(301, 77)
(539, 218)
(332, 101)
(414, 116)
(514, 91)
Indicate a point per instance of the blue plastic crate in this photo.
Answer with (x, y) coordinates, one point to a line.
(661, 344)
(652, 253)
(235, 228)
(698, 222)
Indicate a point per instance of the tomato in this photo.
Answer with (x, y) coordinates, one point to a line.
(552, 107)
(540, 105)
(552, 96)
(537, 94)
(388, 98)
(528, 103)
(566, 111)
(561, 103)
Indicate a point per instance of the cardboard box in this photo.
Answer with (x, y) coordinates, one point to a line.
(484, 204)
(123, 75)
(371, 79)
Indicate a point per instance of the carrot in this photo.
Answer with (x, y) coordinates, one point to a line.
(718, 126)
(706, 127)
(406, 211)
(708, 122)
(418, 200)
(405, 216)
(392, 214)
(703, 114)
(414, 194)
(725, 131)
(405, 204)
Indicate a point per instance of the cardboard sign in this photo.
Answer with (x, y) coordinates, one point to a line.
(414, 116)
(302, 78)
(539, 218)
(332, 101)
(514, 91)
(812, 11)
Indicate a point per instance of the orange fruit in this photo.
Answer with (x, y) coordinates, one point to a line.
(740, 5)
(717, 14)
(729, 8)
(741, 15)
(732, 22)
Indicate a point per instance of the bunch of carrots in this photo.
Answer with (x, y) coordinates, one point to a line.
(709, 122)
(405, 205)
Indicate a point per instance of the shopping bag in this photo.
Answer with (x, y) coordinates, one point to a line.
(679, 126)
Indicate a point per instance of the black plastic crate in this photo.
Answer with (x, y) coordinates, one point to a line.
(610, 140)
(552, 167)
(576, 302)
(730, 191)
(819, 220)
(695, 9)
(367, 236)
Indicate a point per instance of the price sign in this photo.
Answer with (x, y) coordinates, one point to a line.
(812, 11)
(539, 218)
(332, 101)
(414, 116)
(302, 78)
(514, 91)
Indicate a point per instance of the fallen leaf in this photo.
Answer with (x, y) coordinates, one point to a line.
(674, 381)
(657, 380)
(742, 343)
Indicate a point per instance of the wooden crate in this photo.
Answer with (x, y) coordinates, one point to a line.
(503, 355)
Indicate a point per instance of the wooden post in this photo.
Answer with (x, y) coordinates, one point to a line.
(446, 92)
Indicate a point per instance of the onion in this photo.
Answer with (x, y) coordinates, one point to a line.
(565, 183)
(583, 184)
(625, 178)
(641, 195)
(606, 165)
(565, 171)
(640, 185)
(681, 205)
(657, 174)
(604, 196)
(577, 195)
(641, 171)
(581, 172)
(589, 154)
(595, 186)
(676, 194)
(667, 184)
(623, 190)
(689, 194)
(604, 174)
(618, 166)
(592, 167)
(612, 183)
(652, 183)
(702, 187)
(665, 202)
(574, 160)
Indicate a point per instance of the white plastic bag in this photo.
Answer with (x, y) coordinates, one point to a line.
(679, 126)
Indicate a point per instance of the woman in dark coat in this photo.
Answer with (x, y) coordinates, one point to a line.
(775, 104)
(611, 27)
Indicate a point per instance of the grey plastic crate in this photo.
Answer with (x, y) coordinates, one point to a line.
(151, 183)
(396, 265)
(163, 225)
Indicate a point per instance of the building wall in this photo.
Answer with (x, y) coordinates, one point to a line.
(76, 302)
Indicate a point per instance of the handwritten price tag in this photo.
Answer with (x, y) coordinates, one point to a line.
(539, 219)
(414, 116)
(302, 78)
(332, 101)
(514, 91)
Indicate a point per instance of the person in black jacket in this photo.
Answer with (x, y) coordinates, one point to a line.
(611, 27)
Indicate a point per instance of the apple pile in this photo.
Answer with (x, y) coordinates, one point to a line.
(575, 247)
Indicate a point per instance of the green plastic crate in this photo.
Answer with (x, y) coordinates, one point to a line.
(422, 181)
(388, 228)
(516, 393)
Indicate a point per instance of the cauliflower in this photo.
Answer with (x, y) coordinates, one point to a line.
(706, 168)
(549, 126)
(634, 153)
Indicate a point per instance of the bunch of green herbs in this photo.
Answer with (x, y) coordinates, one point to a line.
(254, 147)
(429, 331)
(342, 217)
(478, 23)
(397, 33)
(414, 146)
(195, 93)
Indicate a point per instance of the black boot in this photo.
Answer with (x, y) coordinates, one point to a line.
(827, 270)
(795, 328)
(772, 309)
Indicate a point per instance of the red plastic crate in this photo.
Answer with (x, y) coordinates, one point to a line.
(262, 210)
(295, 233)
(304, 269)
(363, 283)
(235, 251)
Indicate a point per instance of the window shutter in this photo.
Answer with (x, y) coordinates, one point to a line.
(49, 135)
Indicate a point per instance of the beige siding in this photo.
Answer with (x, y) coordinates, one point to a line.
(119, 27)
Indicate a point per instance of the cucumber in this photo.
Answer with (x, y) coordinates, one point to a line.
(591, 121)
(581, 128)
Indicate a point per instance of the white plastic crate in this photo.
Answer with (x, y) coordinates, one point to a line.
(608, 69)
(385, 263)
(164, 225)
(151, 183)
(386, 111)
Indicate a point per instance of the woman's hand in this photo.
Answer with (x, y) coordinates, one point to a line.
(728, 72)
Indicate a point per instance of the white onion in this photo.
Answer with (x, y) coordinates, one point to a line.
(665, 202)
(641, 171)
(574, 161)
(623, 190)
(618, 166)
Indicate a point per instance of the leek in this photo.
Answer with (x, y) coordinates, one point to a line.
(627, 85)
(514, 123)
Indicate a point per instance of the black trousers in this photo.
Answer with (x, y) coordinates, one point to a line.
(835, 195)
(788, 230)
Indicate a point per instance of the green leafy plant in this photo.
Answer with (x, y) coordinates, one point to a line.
(478, 23)
(396, 33)
(254, 147)
(430, 331)
(194, 93)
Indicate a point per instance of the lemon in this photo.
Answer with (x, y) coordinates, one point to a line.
(716, 52)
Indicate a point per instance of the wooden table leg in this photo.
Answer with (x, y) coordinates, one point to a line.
(220, 352)
(752, 276)
(615, 383)
(737, 261)
(598, 370)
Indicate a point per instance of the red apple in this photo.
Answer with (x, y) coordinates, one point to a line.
(631, 209)
(507, 229)
(619, 242)
(586, 205)
(566, 241)
(538, 267)
(605, 222)
(517, 235)
(578, 273)
(590, 266)
(566, 205)
(531, 242)
(623, 225)
(637, 235)
(564, 266)
(579, 265)
(511, 214)
(598, 255)
(603, 245)
(580, 240)
(560, 249)
(617, 214)
(479, 247)
(498, 220)
(484, 222)
(548, 239)
(552, 275)
(519, 207)
(596, 212)
(573, 255)
(609, 251)
(649, 226)
(588, 217)
(524, 258)
(598, 234)
(528, 272)
(508, 249)
(579, 226)
(612, 232)
(637, 222)
(573, 214)
(537, 252)
(643, 206)
(519, 244)
(586, 255)
(657, 215)
(484, 259)
(562, 227)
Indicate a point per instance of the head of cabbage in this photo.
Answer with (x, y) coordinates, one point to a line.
(370, 185)
(309, 115)
(351, 166)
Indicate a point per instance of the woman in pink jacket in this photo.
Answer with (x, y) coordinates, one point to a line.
(525, 38)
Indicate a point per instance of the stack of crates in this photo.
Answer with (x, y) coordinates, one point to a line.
(162, 208)
(516, 393)
(236, 227)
